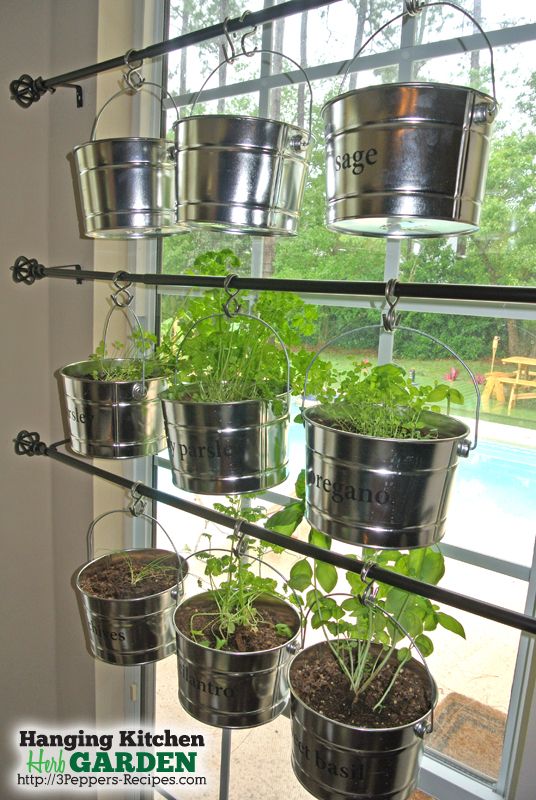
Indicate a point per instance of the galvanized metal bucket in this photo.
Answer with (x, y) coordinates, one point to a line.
(113, 419)
(241, 174)
(231, 689)
(381, 492)
(129, 632)
(228, 447)
(407, 159)
(127, 185)
(335, 761)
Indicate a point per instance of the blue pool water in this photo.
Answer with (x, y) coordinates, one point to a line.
(508, 472)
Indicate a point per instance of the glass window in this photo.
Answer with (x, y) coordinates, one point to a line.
(489, 538)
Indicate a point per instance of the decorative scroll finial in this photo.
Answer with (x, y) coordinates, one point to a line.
(29, 444)
(27, 270)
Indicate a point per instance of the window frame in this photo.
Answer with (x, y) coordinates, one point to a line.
(437, 777)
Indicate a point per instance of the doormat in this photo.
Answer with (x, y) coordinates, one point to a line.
(470, 732)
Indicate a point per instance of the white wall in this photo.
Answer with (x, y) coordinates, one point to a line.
(45, 508)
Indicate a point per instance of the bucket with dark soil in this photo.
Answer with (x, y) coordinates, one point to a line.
(246, 684)
(341, 748)
(127, 602)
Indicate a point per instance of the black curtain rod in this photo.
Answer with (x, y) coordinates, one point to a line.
(30, 444)
(27, 90)
(29, 270)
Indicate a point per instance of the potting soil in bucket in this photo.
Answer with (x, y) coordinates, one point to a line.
(407, 159)
(130, 624)
(338, 760)
(379, 492)
(234, 688)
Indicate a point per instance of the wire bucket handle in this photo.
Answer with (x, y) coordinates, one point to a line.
(135, 511)
(139, 390)
(231, 315)
(133, 87)
(297, 143)
(464, 446)
(414, 7)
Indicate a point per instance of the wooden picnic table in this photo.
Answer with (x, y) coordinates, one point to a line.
(521, 381)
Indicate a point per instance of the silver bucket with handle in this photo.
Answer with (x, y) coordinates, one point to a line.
(114, 418)
(382, 492)
(408, 159)
(336, 761)
(228, 447)
(136, 630)
(227, 688)
(127, 185)
(241, 174)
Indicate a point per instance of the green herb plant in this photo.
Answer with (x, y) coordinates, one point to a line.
(235, 584)
(125, 361)
(382, 401)
(222, 360)
(139, 571)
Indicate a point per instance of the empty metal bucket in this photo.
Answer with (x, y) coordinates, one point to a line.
(227, 448)
(112, 419)
(240, 174)
(127, 185)
(407, 159)
(376, 492)
(130, 631)
(334, 761)
(231, 689)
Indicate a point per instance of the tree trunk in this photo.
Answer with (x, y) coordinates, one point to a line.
(475, 54)
(222, 72)
(514, 347)
(358, 41)
(184, 51)
(303, 61)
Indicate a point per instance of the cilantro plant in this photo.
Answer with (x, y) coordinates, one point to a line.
(235, 584)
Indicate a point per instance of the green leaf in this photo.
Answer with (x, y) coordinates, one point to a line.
(319, 539)
(403, 654)
(326, 575)
(425, 564)
(356, 584)
(437, 394)
(301, 575)
(299, 486)
(451, 624)
(287, 519)
(455, 396)
(425, 645)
